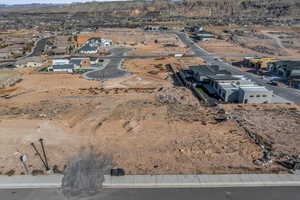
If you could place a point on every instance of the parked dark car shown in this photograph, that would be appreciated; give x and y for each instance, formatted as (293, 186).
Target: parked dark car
(273, 83)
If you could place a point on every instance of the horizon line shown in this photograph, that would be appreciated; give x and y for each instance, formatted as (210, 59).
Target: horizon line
(59, 3)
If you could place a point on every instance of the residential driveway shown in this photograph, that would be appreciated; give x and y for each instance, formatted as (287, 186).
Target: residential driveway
(113, 68)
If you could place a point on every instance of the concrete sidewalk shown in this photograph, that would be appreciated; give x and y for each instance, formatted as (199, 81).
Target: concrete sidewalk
(160, 181)
(13, 182)
(199, 181)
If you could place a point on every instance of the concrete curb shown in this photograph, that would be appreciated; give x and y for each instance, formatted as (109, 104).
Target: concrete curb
(13, 182)
(160, 181)
(201, 181)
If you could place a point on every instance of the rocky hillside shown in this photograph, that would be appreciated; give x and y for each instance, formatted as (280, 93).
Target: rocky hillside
(205, 8)
(142, 12)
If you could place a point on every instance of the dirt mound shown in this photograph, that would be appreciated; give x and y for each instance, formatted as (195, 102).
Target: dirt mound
(176, 95)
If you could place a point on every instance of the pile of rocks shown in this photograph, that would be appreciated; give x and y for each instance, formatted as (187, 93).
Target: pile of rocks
(176, 96)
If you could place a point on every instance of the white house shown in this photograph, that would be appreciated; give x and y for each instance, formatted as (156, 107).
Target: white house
(60, 61)
(30, 62)
(4, 54)
(88, 49)
(62, 68)
(106, 43)
(93, 45)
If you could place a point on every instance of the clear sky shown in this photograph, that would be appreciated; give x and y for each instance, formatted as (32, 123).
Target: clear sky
(10, 2)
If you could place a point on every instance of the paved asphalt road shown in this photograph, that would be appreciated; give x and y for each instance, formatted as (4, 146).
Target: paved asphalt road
(287, 93)
(252, 193)
(40, 46)
(7, 66)
(112, 69)
(8, 61)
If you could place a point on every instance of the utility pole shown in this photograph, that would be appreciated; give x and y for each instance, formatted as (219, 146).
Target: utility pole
(44, 153)
(38, 153)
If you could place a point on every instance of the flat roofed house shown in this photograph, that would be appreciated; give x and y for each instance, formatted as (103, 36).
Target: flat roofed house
(255, 94)
(288, 71)
(228, 92)
(81, 62)
(60, 61)
(283, 68)
(203, 35)
(62, 68)
(4, 54)
(236, 89)
(295, 82)
(201, 72)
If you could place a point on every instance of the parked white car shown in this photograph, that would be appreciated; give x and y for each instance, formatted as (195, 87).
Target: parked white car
(178, 55)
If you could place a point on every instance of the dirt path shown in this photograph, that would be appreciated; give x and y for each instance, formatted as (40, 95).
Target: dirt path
(278, 42)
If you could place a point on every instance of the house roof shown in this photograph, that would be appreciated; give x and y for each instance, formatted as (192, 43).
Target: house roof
(88, 48)
(295, 77)
(287, 63)
(95, 39)
(203, 32)
(202, 69)
(69, 66)
(75, 61)
(254, 88)
(223, 71)
(209, 70)
(223, 77)
(92, 58)
(293, 67)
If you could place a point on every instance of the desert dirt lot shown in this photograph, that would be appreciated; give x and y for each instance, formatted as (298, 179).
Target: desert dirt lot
(158, 130)
(283, 43)
(150, 73)
(218, 46)
(278, 125)
(7, 74)
(146, 124)
(143, 43)
(8, 77)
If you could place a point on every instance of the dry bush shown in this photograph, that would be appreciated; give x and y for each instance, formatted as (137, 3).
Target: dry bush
(85, 174)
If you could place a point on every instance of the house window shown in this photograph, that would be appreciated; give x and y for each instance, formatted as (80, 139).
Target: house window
(251, 96)
(264, 95)
(258, 95)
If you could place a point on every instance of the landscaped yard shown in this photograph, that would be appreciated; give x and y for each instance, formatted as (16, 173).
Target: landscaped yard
(200, 90)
